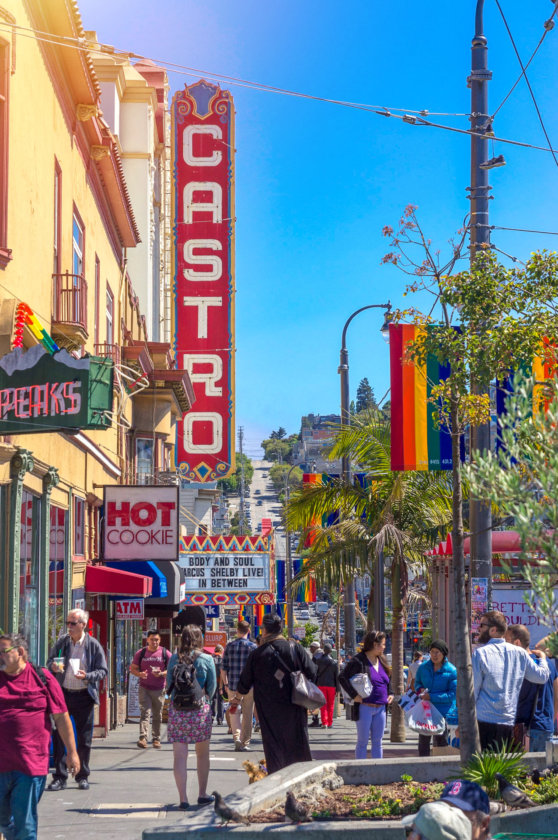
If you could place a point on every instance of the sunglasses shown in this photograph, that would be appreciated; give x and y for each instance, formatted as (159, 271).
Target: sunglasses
(7, 650)
(72, 623)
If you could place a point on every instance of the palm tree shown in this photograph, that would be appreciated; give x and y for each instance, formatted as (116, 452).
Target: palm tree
(399, 514)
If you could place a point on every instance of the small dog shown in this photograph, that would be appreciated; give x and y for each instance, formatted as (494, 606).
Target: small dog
(255, 771)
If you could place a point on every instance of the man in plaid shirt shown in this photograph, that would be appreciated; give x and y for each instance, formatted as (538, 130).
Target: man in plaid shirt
(236, 654)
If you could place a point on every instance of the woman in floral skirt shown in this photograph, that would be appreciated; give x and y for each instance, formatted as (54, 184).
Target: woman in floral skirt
(185, 727)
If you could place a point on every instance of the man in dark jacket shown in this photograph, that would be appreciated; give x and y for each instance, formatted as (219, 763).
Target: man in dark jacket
(78, 662)
(327, 681)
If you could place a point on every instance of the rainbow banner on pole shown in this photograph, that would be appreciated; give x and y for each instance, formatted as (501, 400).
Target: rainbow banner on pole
(416, 442)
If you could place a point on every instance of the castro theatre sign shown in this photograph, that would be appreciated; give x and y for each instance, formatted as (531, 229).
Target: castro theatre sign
(141, 523)
(203, 139)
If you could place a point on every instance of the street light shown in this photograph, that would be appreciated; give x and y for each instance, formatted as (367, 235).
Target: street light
(343, 371)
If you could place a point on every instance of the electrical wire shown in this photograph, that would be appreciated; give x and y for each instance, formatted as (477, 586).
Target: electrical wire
(524, 230)
(547, 29)
(524, 73)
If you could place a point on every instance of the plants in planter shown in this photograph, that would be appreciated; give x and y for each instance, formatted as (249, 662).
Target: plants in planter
(482, 768)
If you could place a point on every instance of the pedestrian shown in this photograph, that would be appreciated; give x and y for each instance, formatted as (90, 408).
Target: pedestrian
(537, 704)
(316, 653)
(28, 697)
(234, 660)
(498, 672)
(436, 681)
(470, 798)
(83, 667)
(217, 702)
(284, 725)
(150, 666)
(437, 821)
(418, 659)
(327, 680)
(371, 721)
(191, 726)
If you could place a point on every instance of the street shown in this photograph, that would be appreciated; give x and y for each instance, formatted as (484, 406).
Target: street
(132, 789)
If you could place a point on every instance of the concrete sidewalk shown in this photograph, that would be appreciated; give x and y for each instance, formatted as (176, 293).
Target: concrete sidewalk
(132, 789)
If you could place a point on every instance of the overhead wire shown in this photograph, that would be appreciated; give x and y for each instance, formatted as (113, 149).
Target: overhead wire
(524, 74)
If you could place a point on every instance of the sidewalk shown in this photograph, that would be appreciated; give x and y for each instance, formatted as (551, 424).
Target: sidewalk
(132, 789)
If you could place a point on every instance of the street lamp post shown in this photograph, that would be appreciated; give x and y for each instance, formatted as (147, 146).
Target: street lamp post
(288, 558)
(481, 125)
(343, 371)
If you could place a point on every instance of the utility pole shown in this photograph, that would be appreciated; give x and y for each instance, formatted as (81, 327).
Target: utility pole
(242, 517)
(481, 125)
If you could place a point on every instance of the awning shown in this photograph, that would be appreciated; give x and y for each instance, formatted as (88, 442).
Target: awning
(101, 580)
(159, 587)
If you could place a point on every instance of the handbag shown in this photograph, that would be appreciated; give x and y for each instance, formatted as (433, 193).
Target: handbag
(304, 693)
(362, 684)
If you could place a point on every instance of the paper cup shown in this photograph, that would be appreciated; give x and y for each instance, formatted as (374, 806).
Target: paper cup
(75, 665)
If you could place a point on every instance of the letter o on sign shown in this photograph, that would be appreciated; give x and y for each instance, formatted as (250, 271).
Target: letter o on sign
(149, 513)
(128, 539)
(216, 443)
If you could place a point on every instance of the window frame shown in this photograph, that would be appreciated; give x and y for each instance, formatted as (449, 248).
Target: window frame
(76, 217)
(97, 302)
(109, 320)
(78, 501)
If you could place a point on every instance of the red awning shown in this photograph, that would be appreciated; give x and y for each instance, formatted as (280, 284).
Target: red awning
(100, 580)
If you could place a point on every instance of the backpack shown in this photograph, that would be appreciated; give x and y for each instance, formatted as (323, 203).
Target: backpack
(166, 656)
(187, 693)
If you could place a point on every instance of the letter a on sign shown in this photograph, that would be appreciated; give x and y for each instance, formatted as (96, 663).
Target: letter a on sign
(203, 164)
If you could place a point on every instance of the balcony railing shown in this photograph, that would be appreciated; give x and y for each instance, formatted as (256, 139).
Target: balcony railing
(69, 305)
(162, 477)
(108, 351)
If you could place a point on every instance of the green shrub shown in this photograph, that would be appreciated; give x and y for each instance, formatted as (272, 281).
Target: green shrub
(483, 768)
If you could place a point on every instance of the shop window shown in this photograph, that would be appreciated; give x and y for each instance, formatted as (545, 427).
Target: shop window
(30, 547)
(5, 253)
(58, 542)
(79, 526)
(110, 316)
(144, 461)
(78, 245)
(57, 233)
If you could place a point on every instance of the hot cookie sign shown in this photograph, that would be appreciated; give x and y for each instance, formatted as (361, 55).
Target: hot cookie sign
(203, 137)
(140, 523)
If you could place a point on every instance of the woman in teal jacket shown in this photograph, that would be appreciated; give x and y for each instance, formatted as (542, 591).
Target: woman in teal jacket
(436, 681)
(185, 727)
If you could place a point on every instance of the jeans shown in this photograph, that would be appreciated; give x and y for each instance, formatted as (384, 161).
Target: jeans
(82, 708)
(494, 735)
(151, 703)
(538, 739)
(19, 797)
(217, 706)
(370, 725)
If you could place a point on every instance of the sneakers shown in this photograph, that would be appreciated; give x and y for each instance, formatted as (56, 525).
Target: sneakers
(143, 743)
(57, 784)
(156, 743)
(240, 748)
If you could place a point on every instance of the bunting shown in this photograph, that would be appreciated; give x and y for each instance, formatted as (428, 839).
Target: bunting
(416, 442)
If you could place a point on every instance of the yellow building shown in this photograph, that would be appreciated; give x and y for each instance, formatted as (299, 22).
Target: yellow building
(66, 226)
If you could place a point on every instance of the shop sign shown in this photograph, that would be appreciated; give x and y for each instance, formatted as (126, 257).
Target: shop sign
(141, 522)
(224, 572)
(129, 608)
(212, 638)
(40, 392)
(211, 611)
(512, 604)
(202, 118)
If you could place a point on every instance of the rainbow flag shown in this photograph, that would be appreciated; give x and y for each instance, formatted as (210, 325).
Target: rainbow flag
(416, 442)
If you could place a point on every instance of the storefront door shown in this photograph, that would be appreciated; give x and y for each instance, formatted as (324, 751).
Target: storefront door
(99, 621)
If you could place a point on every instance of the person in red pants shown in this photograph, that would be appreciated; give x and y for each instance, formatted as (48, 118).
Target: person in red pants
(327, 681)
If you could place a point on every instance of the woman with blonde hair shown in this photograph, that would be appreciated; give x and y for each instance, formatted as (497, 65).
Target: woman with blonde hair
(190, 725)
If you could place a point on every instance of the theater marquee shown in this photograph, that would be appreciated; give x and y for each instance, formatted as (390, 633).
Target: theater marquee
(203, 207)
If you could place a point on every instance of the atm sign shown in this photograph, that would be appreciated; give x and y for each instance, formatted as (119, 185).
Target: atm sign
(129, 608)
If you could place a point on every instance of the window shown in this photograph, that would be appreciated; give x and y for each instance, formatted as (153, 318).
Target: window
(144, 460)
(29, 579)
(78, 245)
(79, 526)
(110, 316)
(97, 298)
(58, 538)
(57, 234)
(5, 253)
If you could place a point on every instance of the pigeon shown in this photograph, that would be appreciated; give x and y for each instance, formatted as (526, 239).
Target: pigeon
(296, 811)
(538, 775)
(512, 795)
(227, 813)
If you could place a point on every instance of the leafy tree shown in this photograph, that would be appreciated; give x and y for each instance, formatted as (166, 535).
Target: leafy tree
(279, 434)
(232, 483)
(365, 396)
(278, 476)
(503, 315)
(279, 449)
(522, 478)
(236, 530)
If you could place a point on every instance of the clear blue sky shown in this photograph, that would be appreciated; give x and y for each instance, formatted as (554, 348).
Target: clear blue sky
(315, 182)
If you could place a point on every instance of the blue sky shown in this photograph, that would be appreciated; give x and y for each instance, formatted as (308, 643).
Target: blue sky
(316, 182)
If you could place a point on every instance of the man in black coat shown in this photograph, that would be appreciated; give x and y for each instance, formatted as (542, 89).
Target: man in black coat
(83, 667)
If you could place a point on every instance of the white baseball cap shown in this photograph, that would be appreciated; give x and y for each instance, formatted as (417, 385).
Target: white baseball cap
(439, 821)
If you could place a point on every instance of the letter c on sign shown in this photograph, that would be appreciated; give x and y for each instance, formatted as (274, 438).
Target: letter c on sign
(214, 159)
(216, 443)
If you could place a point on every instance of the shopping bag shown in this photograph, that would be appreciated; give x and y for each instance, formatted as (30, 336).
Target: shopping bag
(425, 719)
(362, 684)
(408, 700)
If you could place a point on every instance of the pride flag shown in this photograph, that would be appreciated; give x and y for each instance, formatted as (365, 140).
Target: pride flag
(543, 369)
(416, 442)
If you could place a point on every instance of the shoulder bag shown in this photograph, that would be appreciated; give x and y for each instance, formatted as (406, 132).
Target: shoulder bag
(304, 693)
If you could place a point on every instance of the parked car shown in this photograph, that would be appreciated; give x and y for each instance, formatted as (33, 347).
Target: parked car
(257, 492)
(259, 502)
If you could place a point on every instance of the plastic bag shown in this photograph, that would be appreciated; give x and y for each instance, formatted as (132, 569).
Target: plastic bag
(362, 684)
(425, 718)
